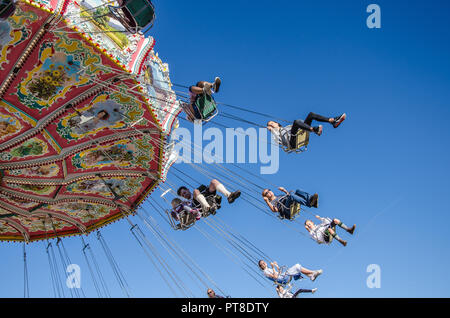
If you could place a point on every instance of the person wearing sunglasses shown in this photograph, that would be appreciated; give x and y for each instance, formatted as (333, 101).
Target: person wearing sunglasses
(281, 203)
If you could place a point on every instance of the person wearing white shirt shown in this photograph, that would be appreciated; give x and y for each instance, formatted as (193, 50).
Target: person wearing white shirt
(324, 232)
(279, 276)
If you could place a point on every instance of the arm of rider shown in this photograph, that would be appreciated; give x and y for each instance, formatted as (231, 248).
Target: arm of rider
(275, 271)
(270, 205)
(275, 265)
(318, 217)
(283, 190)
(187, 208)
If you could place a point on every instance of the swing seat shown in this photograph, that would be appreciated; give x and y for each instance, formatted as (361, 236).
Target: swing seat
(294, 210)
(283, 269)
(206, 107)
(330, 236)
(7, 9)
(135, 15)
(213, 200)
(187, 220)
(301, 142)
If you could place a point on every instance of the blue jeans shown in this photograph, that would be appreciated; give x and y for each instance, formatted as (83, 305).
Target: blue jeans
(294, 272)
(298, 196)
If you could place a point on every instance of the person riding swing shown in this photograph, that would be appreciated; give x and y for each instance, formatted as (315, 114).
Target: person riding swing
(201, 103)
(282, 276)
(286, 292)
(324, 232)
(287, 136)
(289, 204)
(200, 195)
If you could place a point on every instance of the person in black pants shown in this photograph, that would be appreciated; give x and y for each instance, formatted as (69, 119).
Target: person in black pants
(286, 293)
(286, 135)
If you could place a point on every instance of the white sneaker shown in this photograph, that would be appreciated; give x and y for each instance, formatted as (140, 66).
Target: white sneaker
(315, 274)
(313, 291)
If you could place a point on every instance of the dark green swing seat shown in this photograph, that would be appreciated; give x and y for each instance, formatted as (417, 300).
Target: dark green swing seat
(7, 8)
(135, 15)
(206, 107)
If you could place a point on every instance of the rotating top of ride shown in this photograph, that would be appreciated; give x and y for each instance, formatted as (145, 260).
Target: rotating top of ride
(86, 111)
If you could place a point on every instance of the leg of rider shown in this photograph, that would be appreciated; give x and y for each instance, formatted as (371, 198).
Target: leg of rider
(196, 89)
(298, 124)
(311, 199)
(216, 185)
(201, 199)
(333, 234)
(205, 87)
(231, 196)
(301, 197)
(342, 225)
(295, 271)
(301, 291)
(316, 117)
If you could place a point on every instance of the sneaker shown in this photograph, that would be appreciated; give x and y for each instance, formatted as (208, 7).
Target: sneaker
(207, 89)
(352, 229)
(338, 120)
(198, 216)
(233, 196)
(318, 130)
(315, 274)
(314, 201)
(313, 291)
(216, 85)
(344, 243)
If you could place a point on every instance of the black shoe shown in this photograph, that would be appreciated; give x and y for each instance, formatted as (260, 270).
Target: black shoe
(352, 229)
(314, 201)
(338, 120)
(318, 130)
(216, 85)
(233, 196)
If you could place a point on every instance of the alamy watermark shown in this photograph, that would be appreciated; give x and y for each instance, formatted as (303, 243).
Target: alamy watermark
(374, 279)
(73, 276)
(237, 146)
(374, 19)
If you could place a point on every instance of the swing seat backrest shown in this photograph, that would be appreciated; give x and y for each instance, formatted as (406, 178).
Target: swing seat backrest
(302, 139)
(186, 220)
(142, 11)
(301, 142)
(136, 14)
(206, 107)
(295, 210)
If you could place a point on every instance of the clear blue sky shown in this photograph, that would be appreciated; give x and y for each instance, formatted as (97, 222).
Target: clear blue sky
(385, 169)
